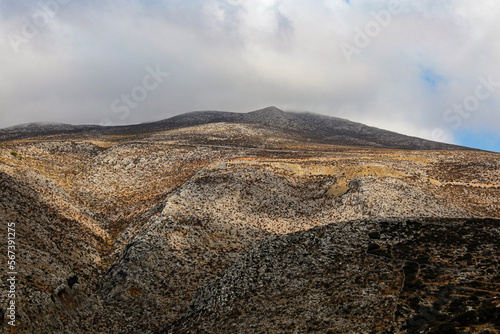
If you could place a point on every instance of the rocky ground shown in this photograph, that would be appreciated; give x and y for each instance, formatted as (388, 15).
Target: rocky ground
(358, 277)
(226, 228)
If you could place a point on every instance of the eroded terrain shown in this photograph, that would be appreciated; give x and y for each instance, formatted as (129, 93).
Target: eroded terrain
(117, 233)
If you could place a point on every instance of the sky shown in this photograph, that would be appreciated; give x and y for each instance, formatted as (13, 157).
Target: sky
(423, 68)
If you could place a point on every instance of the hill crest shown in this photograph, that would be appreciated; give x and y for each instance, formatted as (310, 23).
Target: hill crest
(309, 126)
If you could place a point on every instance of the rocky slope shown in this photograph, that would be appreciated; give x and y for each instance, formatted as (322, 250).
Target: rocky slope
(304, 126)
(358, 277)
(122, 233)
(58, 252)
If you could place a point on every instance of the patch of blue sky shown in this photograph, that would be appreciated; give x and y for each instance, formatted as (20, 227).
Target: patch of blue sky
(483, 140)
(431, 78)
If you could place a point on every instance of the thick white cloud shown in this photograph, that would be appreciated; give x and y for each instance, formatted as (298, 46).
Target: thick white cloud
(425, 57)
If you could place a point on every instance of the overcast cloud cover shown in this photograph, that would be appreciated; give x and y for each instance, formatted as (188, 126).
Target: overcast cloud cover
(424, 68)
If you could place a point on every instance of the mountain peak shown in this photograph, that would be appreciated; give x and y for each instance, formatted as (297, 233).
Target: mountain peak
(272, 110)
(308, 126)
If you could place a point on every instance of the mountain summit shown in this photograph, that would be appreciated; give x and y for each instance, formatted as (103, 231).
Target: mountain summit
(308, 126)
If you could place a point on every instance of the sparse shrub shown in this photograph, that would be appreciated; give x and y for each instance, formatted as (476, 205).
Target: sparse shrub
(376, 250)
(467, 318)
(373, 247)
(423, 258)
(445, 329)
(468, 257)
(414, 302)
(474, 299)
(431, 274)
(413, 284)
(16, 155)
(458, 305)
(489, 314)
(410, 268)
(436, 305)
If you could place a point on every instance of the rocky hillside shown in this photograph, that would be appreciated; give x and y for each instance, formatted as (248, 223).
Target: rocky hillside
(358, 277)
(303, 126)
(43, 129)
(220, 227)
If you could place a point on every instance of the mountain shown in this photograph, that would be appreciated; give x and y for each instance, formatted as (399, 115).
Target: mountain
(195, 225)
(314, 127)
(308, 126)
(42, 129)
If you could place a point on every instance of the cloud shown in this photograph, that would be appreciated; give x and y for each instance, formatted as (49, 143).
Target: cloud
(418, 62)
